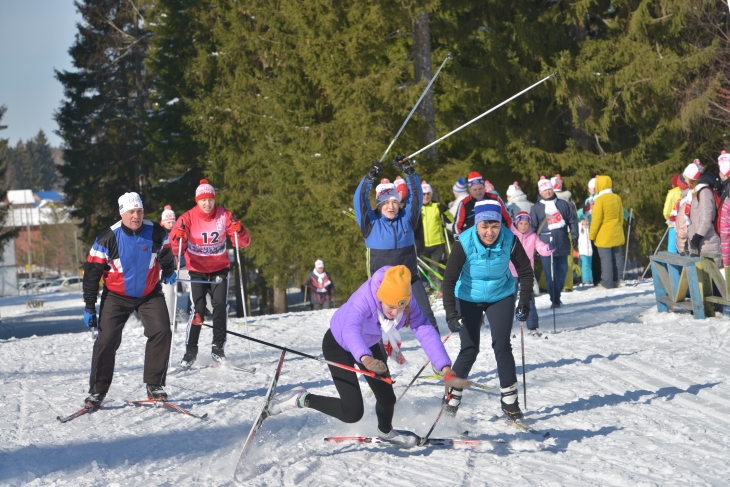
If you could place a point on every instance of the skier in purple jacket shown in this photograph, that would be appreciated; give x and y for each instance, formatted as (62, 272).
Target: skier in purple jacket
(377, 310)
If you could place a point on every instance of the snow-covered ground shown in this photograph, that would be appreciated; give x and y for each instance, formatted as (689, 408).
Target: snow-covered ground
(630, 397)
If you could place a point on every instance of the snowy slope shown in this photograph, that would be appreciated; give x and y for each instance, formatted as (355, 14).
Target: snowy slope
(630, 396)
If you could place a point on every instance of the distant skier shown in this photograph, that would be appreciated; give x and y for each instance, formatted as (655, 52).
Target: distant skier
(478, 281)
(203, 231)
(322, 288)
(167, 221)
(460, 192)
(517, 200)
(430, 235)
(389, 230)
(383, 305)
(128, 255)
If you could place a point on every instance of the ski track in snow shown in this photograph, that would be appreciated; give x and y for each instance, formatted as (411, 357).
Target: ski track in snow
(630, 396)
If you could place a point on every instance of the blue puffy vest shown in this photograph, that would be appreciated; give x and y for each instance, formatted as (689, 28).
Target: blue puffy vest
(485, 276)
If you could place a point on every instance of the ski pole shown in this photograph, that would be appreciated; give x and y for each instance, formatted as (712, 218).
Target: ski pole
(405, 122)
(420, 372)
(443, 406)
(443, 266)
(218, 280)
(243, 295)
(628, 233)
(552, 279)
(173, 321)
(524, 380)
(655, 252)
(387, 380)
(480, 116)
(430, 269)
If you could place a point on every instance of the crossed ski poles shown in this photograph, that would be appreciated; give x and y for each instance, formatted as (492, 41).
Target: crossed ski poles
(368, 373)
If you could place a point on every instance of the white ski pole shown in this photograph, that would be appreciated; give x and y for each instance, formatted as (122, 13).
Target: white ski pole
(552, 279)
(655, 252)
(173, 321)
(243, 295)
(448, 57)
(628, 233)
(480, 116)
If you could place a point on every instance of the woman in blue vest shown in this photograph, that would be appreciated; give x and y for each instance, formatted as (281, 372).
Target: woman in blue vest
(478, 281)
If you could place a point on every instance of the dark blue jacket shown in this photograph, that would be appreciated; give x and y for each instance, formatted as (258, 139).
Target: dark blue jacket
(390, 242)
(560, 235)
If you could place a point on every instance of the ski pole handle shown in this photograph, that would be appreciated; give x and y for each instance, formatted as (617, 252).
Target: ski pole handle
(387, 380)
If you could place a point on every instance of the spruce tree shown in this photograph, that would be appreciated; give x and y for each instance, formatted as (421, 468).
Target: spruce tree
(6, 236)
(102, 119)
(41, 170)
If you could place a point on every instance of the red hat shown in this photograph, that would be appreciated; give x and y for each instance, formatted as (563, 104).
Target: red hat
(401, 187)
(205, 190)
(675, 180)
(475, 178)
(682, 183)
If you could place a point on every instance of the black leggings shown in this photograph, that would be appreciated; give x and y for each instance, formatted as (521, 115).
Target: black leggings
(500, 316)
(349, 407)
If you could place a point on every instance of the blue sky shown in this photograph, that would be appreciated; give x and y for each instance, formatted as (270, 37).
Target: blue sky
(35, 36)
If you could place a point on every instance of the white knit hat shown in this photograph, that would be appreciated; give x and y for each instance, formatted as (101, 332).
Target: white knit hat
(694, 170)
(168, 215)
(318, 264)
(385, 192)
(592, 184)
(724, 162)
(544, 184)
(426, 187)
(514, 189)
(129, 201)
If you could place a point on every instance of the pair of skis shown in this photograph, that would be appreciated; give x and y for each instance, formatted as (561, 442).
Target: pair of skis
(215, 365)
(147, 402)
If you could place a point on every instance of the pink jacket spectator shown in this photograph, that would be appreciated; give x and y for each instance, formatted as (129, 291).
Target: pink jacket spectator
(531, 243)
(725, 231)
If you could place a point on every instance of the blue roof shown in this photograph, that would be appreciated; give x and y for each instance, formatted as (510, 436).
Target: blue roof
(49, 195)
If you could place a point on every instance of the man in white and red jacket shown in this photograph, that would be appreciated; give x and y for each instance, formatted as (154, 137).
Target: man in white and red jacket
(203, 231)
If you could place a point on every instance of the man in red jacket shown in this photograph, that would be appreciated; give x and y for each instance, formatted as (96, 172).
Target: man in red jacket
(203, 231)
(477, 192)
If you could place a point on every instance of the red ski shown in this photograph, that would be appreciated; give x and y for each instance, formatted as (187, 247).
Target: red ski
(80, 412)
(174, 407)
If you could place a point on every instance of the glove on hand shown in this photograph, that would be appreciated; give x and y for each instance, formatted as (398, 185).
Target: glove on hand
(236, 225)
(404, 164)
(180, 232)
(455, 323)
(171, 279)
(522, 312)
(551, 246)
(575, 243)
(695, 242)
(374, 172)
(451, 380)
(374, 365)
(90, 317)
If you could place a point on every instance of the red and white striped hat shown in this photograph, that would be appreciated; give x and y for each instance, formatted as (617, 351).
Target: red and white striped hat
(694, 170)
(557, 182)
(401, 187)
(205, 190)
(475, 178)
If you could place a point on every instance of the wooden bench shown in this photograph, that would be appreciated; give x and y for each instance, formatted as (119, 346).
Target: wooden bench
(674, 277)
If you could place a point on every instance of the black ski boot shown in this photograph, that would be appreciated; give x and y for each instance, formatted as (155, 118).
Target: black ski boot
(510, 404)
(191, 353)
(452, 400)
(217, 353)
(156, 393)
(94, 400)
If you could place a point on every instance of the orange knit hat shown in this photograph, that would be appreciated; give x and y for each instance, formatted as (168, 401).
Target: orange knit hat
(395, 290)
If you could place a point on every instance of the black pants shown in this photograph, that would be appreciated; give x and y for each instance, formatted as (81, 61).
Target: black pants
(349, 408)
(219, 300)
(321, 300)
(113, 314)
(500, 316)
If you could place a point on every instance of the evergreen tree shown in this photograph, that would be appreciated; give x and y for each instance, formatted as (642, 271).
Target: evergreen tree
(41, 171)
(6, 236)
(102, 120)
(18, 162)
